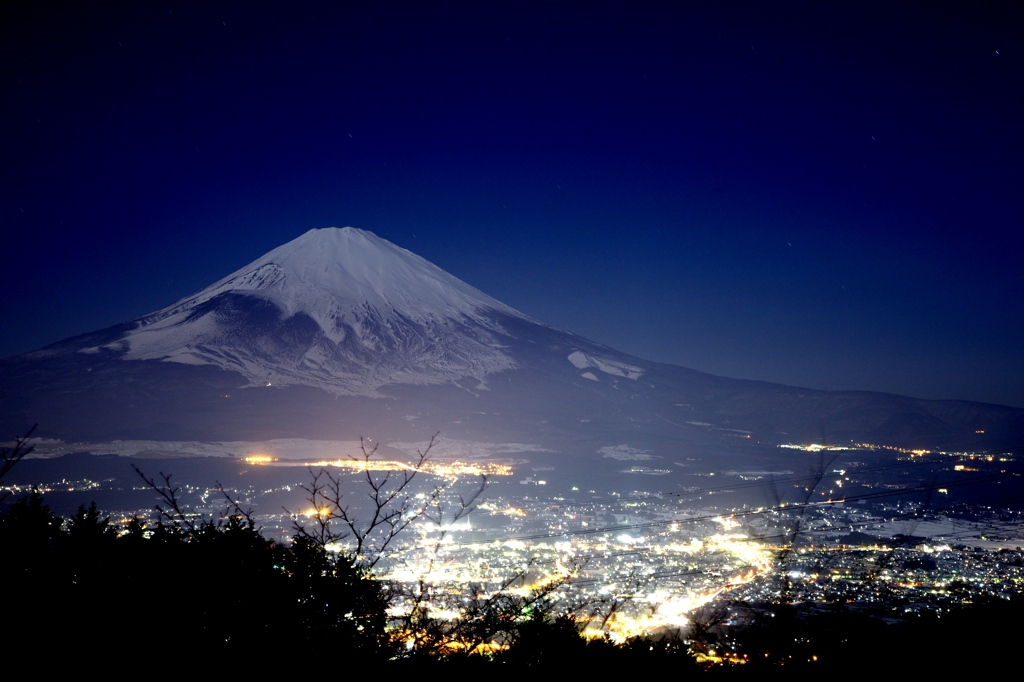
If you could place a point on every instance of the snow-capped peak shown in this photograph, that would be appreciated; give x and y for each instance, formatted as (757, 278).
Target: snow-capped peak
(333, 270)
(326, 304)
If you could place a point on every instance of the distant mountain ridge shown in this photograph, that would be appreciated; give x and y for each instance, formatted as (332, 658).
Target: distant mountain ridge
(340, 333)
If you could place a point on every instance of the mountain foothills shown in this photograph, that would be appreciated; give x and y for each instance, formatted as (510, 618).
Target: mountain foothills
(340, 333)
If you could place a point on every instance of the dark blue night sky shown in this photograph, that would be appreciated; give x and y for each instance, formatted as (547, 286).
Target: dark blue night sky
(814, 194)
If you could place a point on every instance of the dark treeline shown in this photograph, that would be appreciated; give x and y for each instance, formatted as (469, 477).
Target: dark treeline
(172, 593)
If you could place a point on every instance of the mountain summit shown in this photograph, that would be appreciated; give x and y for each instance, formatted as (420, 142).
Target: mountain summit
(339, 309)
(340, 333)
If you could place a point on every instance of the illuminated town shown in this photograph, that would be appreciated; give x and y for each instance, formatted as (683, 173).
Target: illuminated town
(880, 538)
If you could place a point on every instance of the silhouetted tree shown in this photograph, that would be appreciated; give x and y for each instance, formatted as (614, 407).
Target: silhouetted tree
(186, 587)
(9, 457)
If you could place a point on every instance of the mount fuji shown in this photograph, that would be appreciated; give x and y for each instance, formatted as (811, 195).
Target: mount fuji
(341, 310)
(340, 333)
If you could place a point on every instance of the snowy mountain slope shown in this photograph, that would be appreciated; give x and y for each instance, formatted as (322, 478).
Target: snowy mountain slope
(338, 309)
(356, 336)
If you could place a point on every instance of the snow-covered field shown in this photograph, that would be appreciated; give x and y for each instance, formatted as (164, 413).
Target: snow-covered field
(296, 449)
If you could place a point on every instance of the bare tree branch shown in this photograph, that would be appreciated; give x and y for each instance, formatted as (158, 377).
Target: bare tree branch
(171, 509)
(9, 457)
(391, 505)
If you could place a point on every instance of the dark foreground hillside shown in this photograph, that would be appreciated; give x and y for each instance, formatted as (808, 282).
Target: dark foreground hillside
(177, 592)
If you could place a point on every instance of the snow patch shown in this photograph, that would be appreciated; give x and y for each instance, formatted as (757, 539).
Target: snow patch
(287, 449)
(578, 360)
(625, 453)
(581, 360)
(467, 450)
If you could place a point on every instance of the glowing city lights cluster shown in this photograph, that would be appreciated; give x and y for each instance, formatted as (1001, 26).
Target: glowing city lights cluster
(445, 469)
